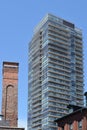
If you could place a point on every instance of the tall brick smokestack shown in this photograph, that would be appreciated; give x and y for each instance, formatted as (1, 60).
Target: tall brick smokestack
(10, 93)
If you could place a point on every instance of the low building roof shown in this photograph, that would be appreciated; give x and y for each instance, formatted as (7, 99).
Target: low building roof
(10, 128)
(73, 113)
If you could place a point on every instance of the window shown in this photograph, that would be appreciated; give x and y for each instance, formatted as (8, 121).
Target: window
(80, 124)
(71, 127)
(63, 128)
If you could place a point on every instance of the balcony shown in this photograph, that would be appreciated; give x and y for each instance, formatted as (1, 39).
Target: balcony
(59, 96)
(36, 124)
(58, 41)
(59, 58)
(36, 96)
(59, 78)
(60, 36)
(58, 86)
(38, 90)
(58, 81)
(59, 91)
(62, 29)
(36, 119)
(36, 115)
(58, 71)
(59, 67)
(36, 105)
(36, 110)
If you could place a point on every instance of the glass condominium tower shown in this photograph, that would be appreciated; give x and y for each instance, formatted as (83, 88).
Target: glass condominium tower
(55, 76)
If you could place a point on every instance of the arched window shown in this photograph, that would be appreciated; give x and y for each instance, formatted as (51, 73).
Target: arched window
(9, 98)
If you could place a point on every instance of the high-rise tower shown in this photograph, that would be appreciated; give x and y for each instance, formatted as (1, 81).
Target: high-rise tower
(10, 93)
(55, 72)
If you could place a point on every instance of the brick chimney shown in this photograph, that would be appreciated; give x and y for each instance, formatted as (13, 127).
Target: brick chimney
(10, 93)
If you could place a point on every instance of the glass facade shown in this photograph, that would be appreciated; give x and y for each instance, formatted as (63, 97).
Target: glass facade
(55, 77)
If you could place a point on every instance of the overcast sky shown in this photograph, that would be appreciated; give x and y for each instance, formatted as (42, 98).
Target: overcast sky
(17, 21)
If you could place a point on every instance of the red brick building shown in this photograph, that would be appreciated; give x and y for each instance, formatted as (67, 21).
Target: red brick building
(76, 120)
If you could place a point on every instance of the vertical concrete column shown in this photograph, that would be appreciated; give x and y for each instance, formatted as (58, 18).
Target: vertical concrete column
(75, 125)
(66, 127)
(84, 123)
(59, 128)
